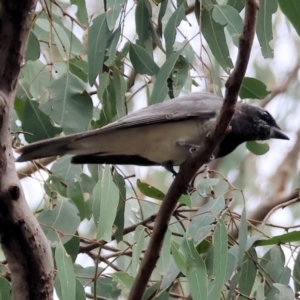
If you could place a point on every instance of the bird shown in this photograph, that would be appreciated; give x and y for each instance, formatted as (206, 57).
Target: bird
(162, 134)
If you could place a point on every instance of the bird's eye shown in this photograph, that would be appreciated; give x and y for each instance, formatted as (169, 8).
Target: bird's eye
(266, 115)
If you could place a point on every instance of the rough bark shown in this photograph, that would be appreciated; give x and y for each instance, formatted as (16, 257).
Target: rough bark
(23, 242)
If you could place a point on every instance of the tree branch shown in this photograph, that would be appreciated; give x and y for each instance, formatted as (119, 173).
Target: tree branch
(23, 242)
(192, 164)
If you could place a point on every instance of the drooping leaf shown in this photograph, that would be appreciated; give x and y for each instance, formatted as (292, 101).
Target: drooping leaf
(220, 242)
(143, 14)
(296, 273)
(112, 49)
(162, 11)
(196, 270)
(137, 248)
(170, 30)
(109, 199)
(264, 26)
(65, 273)
(291, 9)
(98, 37)
(248, 273)
(163, 262)
(33, 48)
(160, 87)
(113, 10)
(214, 35)
(120, 217)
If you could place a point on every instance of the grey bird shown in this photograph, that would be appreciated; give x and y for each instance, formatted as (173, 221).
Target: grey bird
(162, 134)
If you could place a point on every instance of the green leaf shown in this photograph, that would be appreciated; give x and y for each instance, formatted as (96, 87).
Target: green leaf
(72, 247)
(79, 190)
(204, 217)
(248, 273)
(137, 248)
(285, 292)
(120, 217)
(160, 86)
(35, 78)
(228, 16)
(237, 4)
(69, 104)
(98, 37)
(264, 26)
(120, 87)
(220, 242)
(79, 68)
(163, 262)
(5, 289)
(81, 13)
(107, 289)
(242, 238)
(33, 48)
(204, 185)
(162, 11)
(196, 270)
(257, 148)
(37, 123)
(113, 10)
(142, 61)
(186, 200)
(253, 88)
(215, 38)
(59, 223)
(124, 281)
(296, 273)
(260, 291)
(170, 30)
(112, 50)
(291, 9)
(65, 272)
(178, 258)
(143, 14)
(109, 199)
(280, 239)
(180, 74)
(149, 190)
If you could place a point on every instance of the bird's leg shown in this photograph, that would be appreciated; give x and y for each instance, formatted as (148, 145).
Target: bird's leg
(168, 165)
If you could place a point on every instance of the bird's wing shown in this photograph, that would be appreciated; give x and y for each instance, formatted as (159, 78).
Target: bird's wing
(195, 105)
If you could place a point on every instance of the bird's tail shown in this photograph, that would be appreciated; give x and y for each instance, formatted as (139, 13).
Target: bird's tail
(47, 148)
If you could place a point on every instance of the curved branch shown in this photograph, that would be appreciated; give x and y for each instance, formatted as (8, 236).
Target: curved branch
(192, 164)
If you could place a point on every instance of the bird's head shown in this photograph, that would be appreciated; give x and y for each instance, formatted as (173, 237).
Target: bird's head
(252, 123)
(249, 123)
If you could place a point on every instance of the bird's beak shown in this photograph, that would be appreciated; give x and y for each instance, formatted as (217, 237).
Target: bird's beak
(276, 133)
